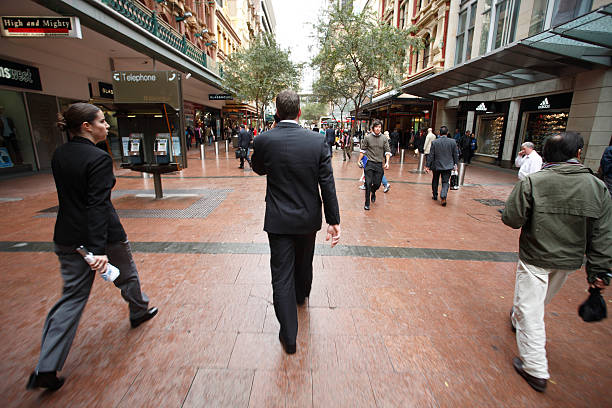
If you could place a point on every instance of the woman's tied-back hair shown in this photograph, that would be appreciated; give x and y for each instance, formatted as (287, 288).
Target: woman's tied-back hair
(76, 114)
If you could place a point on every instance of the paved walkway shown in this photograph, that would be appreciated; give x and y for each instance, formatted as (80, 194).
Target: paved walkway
(411, 309)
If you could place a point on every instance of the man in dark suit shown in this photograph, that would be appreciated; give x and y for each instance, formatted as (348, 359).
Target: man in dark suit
(330, 138)
(244, 141)
(443, 157)
(297, 162)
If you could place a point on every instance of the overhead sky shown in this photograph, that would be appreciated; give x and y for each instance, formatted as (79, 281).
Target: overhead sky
(294, 20)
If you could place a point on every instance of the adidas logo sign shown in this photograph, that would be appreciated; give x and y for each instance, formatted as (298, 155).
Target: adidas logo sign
(544, 104)
(481, 107)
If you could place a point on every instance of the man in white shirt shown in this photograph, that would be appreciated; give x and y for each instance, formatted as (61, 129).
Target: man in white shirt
(528, 160)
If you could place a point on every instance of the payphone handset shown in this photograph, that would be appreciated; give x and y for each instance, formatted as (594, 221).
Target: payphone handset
(161, 149)
(135, 148)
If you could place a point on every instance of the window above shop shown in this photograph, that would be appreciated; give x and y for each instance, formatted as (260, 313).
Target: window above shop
(498, 24)
(551, 13)
(465, 31)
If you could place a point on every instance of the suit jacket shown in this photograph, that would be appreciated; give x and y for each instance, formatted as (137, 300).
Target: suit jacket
(297, 163)
(244, 138)
(84, 179)
(330, 136)
(443, 154)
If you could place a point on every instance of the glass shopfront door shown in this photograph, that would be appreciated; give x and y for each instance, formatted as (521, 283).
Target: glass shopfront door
(489, 131)
(15, 140)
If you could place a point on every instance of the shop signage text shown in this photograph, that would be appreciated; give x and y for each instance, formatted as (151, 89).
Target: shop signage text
(106, 90)
(220, 97)
(147, 87)
(481, 108)
(14, 26)
(544, 104)
(19, 75)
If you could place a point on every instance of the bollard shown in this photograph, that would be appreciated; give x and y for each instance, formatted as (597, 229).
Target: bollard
(421, 167)
(216, 148)
(202, 152)
(402, 157)
(158, 186)
(226, 146)
(461, 173)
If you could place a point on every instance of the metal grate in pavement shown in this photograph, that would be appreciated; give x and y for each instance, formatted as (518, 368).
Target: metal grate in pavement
(491, 202)
(210, 199)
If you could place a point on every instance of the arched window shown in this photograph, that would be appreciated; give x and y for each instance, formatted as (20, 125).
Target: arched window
(427, 43)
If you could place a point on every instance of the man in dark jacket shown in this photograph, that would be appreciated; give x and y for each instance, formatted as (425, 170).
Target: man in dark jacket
(244, 143)
(297, 164)
(330, 138)
(442, 158)
(564, 212)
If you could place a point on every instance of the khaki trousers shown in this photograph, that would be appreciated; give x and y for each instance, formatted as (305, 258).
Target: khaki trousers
(534, 288)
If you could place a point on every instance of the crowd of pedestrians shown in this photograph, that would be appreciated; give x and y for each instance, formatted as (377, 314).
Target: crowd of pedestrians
(563, 210)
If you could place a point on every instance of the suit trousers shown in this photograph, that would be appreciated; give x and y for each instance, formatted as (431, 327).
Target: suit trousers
(373, 177)
(445, 182)
(533, 290)
(242, 159)
(291, 266)
(63, 319)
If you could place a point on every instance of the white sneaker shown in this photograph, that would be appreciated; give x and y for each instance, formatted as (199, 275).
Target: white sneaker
(387, 187)
(362, 187)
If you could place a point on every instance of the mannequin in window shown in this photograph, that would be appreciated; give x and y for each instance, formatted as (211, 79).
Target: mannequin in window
(8, 135)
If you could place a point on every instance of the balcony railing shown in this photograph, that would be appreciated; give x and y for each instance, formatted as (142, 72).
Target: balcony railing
(148, 20)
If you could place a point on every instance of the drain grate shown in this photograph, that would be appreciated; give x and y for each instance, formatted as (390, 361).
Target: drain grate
(491, 202)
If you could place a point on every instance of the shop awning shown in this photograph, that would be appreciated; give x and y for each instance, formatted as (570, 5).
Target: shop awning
(565, 50)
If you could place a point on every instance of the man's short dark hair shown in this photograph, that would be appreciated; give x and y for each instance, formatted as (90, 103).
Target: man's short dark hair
(562, 147)
(443, 131)
(242, 126)
(287, 104)
(376, 123)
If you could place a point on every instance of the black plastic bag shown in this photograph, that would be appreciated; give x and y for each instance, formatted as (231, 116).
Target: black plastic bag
(594, 308)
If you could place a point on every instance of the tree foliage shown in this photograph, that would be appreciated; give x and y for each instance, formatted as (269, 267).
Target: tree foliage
(355, 50)
(258, 73)
(312, 112)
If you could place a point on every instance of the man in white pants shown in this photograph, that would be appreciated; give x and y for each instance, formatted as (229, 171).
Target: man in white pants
(528, 160)
(573, 217)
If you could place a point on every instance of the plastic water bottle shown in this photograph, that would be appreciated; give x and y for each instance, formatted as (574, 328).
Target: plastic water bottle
(111, 273)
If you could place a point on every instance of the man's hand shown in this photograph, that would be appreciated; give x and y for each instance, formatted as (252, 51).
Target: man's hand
(598, 284)
(100, 263)
(387, 165)
(333, 232)
(427, 170)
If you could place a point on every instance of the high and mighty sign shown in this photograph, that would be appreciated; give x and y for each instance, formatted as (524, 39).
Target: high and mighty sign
(220, 97)
(40, 27)
(147, 87)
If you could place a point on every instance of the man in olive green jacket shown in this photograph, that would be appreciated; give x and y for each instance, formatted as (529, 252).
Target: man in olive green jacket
(564, 212)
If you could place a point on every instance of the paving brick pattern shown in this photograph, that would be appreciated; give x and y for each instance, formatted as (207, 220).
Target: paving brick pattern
(411, 310)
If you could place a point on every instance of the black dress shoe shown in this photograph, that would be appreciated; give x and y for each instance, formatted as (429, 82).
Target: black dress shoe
(538, 384)
(373, 197)
(435, 198)
(46, 380)
(366, 207)
(443, 200)
(289, 348)
(147, 316)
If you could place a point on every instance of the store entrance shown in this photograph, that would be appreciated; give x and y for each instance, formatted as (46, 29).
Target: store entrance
(540, 125)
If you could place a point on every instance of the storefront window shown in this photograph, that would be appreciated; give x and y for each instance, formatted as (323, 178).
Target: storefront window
(541, 125)
(538, 17)
(15, 141)
(489, 134)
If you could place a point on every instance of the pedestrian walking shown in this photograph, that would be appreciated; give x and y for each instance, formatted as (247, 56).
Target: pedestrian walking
(442, 159)
(293, 208)
(188, 136)
(376, 147)
(605, 167)
(528, 160)
(208, 133)
(330, 138)
(244, 143)
(347, 145)
(564, 212)
(198, 135)
(84, 179)
(394, 141)
(468, 146)
(431, 136)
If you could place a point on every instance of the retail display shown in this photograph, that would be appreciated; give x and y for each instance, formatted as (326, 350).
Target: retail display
(489, 135)
(540, 125)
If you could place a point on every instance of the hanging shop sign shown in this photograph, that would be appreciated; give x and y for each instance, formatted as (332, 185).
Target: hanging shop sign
(19, 75)
(37, 26)
(220, 97)
(106, 90)
(147, 87)
(548, 102)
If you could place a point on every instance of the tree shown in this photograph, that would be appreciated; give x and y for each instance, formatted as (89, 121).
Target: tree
(258, 73)
(355, 50)
(312, 112)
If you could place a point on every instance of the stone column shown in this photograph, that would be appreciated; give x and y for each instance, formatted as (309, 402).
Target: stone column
(510, 137)
(591, 113)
